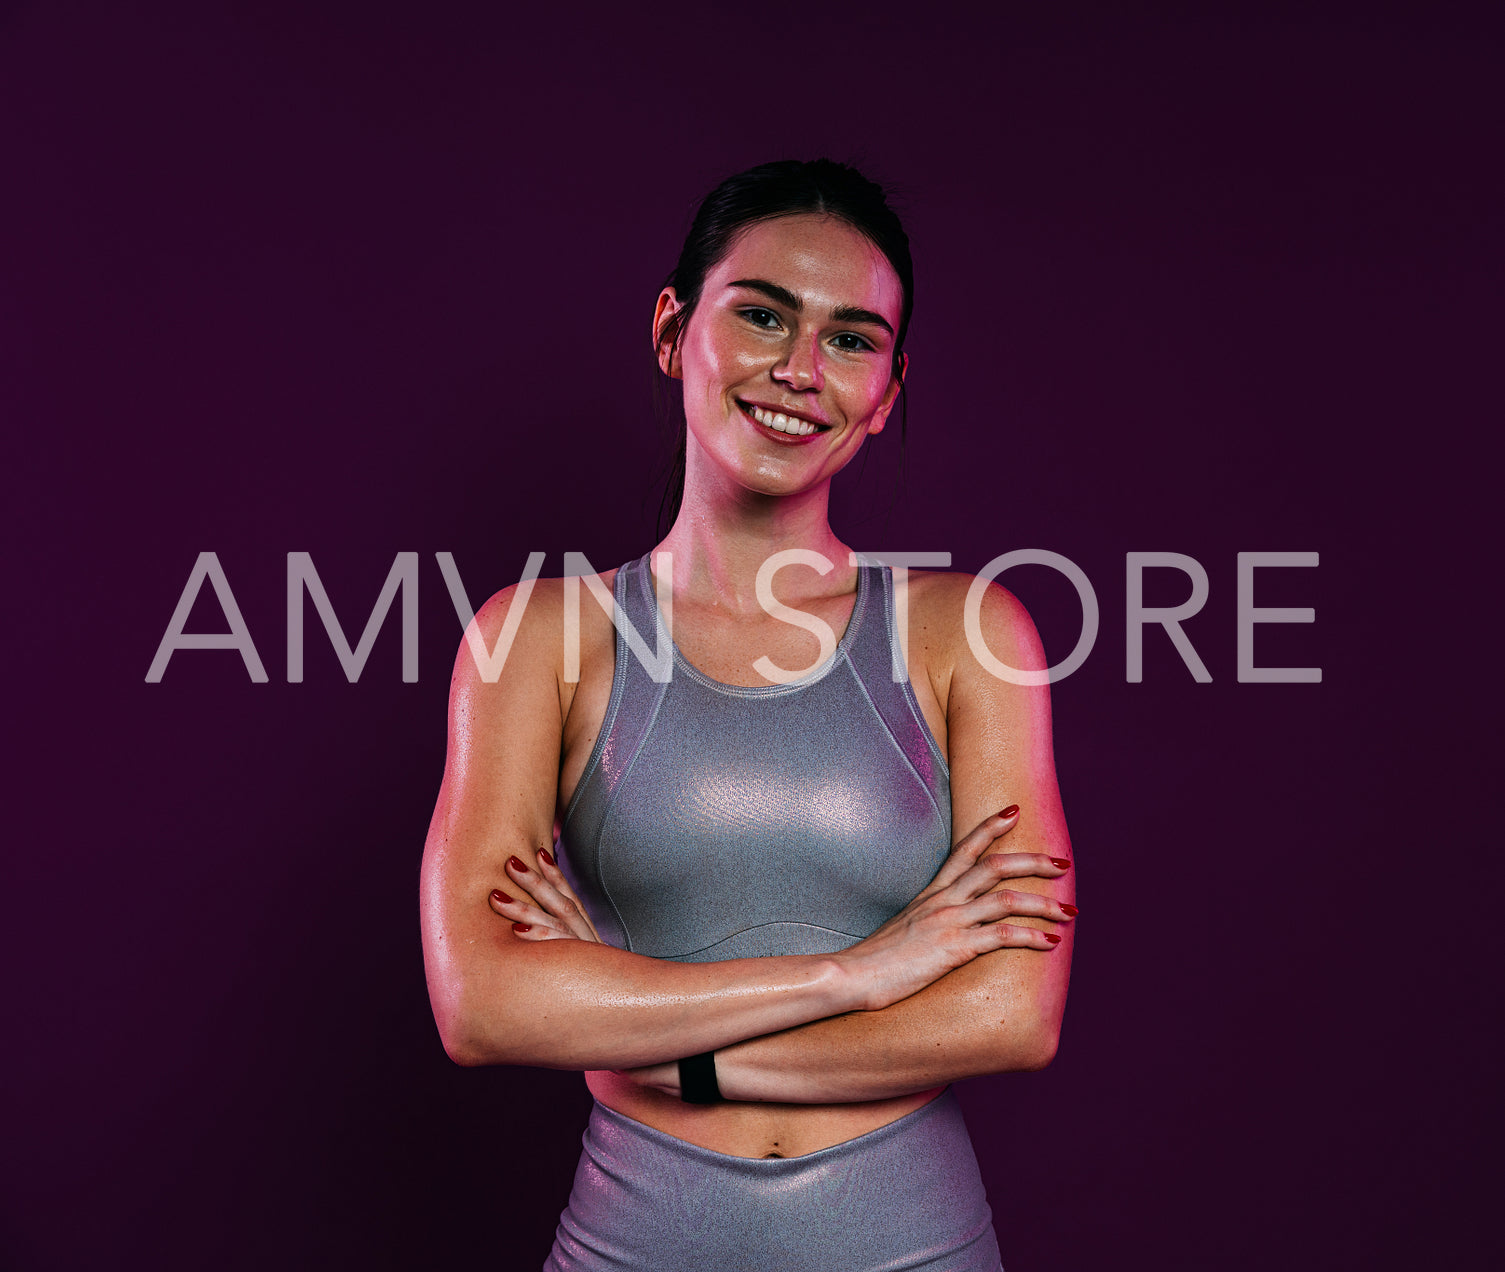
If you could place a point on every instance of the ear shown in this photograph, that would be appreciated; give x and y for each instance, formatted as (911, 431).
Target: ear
(668, 358)
(880, 416)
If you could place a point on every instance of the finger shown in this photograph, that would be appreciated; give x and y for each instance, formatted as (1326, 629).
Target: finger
(1012, 936)
(986, 873)
(969, 849)
(551, 872)
(992, 906)
(549, 899)
(540, 932)
(987, 830)
(520, 910)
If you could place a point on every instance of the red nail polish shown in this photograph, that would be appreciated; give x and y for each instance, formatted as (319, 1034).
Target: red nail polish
(528, 927)
(1009, 811)
(543, 856)
(1049, 936)
(517, 865)
(1070, 910)
(498, 895)
(1060, 863)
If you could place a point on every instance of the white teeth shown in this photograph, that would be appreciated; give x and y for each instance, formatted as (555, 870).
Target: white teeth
(783, 423)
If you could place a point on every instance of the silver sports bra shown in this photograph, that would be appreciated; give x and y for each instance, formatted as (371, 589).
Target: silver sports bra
(718, 821)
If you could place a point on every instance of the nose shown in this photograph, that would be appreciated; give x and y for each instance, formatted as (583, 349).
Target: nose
(800, 368)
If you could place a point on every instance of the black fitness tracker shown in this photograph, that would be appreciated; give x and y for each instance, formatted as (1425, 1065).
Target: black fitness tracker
(697, 1079)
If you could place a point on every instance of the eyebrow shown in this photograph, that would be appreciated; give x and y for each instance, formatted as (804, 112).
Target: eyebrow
(785, 297)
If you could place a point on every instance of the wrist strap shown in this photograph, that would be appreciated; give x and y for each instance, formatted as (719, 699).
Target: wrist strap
(697, 1079)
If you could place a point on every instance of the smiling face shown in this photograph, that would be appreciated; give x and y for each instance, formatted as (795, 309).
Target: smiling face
(787, 359)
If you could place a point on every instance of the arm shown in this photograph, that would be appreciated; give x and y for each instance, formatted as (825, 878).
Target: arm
(501, 997)
(1001, 1012)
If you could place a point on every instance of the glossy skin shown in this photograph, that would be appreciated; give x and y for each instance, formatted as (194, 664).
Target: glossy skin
(970, 979)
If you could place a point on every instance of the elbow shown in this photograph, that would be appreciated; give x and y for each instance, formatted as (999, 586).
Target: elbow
(1036, 1047)
(464, 1050)
(475, 1034)
(1023, 1043)
(460, 1044)
(463, 995)
(465, 1040)
(1033, 1033)
(475, 1031)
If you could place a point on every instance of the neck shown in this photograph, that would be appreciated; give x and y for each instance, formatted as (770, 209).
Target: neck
(724, 533)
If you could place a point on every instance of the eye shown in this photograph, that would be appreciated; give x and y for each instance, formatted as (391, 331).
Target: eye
(851, 342)
(760, 317)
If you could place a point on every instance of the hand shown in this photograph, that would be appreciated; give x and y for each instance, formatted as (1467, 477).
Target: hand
(547, 909)
(957, 917)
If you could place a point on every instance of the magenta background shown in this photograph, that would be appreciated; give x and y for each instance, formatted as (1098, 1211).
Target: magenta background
(381, 280)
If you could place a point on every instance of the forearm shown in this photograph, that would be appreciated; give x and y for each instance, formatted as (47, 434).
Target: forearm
(578, 1005)
(977, 1020)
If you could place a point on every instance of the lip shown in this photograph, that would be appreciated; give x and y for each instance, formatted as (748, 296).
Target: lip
(773, 435)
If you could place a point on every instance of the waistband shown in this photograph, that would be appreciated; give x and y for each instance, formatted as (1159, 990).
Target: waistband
(906, 1197)
(941, 1115)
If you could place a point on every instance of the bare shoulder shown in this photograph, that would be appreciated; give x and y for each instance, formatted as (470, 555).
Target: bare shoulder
(520, 630)
(958, 621)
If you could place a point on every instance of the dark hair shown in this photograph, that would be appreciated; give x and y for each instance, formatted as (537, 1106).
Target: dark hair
(786, 187)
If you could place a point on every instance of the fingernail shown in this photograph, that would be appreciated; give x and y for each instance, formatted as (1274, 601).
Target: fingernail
(1060, 863)
(517, 865)
(1070, 911)
(498, 895)
(1009, 811)
(1049, 936)
(528, 927)
(543, 856)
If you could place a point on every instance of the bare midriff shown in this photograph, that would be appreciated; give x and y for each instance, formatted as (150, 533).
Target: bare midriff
(750, 1129)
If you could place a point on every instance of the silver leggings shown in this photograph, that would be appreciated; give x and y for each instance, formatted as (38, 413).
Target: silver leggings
(906, 1196)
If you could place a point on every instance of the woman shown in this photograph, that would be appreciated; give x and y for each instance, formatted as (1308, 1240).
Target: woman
(759, 939)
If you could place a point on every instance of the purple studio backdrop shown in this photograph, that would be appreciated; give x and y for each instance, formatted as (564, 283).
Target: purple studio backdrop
(355, 280)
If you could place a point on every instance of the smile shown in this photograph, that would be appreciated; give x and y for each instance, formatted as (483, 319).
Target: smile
(793, 425)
